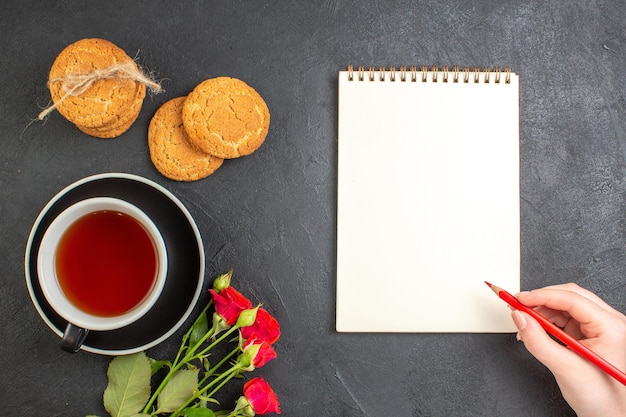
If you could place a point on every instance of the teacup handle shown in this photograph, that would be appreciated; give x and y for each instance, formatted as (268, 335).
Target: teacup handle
(73, 338)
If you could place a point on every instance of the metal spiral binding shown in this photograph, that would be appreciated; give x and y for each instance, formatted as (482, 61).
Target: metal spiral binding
(464, 75)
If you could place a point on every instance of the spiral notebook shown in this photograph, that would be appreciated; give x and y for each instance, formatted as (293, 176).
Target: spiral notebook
(427, 199)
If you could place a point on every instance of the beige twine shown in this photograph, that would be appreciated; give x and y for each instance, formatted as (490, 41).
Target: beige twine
(76, 84)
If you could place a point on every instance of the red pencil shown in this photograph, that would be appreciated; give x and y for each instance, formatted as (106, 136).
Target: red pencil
(555, 331)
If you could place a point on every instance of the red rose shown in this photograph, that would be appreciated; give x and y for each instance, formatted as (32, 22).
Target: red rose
(264, 329)
(264, 352)
(229, 303)
(261, 397)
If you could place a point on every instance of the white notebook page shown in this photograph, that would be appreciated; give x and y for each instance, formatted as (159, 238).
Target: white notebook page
(428, 204)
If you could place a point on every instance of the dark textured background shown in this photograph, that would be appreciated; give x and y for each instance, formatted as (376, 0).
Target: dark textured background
(271, 216)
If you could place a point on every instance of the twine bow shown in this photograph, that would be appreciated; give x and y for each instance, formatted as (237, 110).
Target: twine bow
(76, 84)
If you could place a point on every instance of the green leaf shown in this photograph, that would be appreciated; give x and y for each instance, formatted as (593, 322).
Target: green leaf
(141, 415)
(198, 412)
(199, 329)
(177, 391)
(128, 389)
(155, 366)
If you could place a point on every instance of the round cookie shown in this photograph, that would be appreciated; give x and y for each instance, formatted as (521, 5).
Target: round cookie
(106, 101)
(171, 152)
(226, 117)
(112, 131)
(118, 127)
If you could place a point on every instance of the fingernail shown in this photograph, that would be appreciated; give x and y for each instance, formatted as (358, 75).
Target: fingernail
(519, 320)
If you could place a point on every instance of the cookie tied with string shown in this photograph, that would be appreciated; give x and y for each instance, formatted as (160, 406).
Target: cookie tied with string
(226, 117)
(98, 87)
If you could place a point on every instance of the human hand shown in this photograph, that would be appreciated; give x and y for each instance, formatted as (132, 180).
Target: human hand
(583, 315)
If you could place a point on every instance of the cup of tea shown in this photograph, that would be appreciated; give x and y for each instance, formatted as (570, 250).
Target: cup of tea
(102, 265)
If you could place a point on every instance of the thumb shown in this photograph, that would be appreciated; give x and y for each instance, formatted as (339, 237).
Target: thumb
(552, 354)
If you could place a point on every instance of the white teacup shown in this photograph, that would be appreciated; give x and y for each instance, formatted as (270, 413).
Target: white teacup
(102, 265)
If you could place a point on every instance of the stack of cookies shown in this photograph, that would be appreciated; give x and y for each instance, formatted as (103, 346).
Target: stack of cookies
(98, 87)
(94, 84)
(222, 118)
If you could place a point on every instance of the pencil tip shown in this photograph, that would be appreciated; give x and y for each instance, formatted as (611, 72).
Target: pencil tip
(494, 288)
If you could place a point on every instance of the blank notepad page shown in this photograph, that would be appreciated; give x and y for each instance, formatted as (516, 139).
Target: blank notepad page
(428, 200)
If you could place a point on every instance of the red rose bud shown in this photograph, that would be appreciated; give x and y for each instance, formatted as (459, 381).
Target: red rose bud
(264, 329)
(261, 397)
(259, 353)
(223, 281)
(229, 303)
